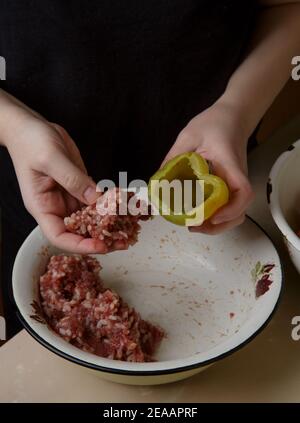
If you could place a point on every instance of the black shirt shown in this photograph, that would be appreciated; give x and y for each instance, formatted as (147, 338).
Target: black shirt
(122, 76)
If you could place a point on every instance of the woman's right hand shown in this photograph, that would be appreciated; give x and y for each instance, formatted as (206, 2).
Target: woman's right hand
(50, 171)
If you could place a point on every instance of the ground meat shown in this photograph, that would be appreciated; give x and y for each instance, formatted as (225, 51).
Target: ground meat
(105, 220)
(78, 307)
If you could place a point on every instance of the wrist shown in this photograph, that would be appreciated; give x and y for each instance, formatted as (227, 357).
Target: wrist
(11, 117)
(7, 116)
(238, 115)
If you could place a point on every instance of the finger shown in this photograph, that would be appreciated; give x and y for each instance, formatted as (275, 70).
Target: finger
(54, 229)
(239, 201)
(120, 245)
(209, 228)
(183, 144)
(70, 177)
(72, 204)
(241, 193)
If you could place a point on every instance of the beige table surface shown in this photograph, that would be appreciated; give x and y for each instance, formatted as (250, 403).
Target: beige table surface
(268, 369)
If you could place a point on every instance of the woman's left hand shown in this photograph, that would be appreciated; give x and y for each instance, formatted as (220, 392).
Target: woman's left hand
(218, 135)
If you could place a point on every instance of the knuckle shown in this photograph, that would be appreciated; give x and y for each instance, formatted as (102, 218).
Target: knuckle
(43, 159)
(241, 220)
(248, 191)
(28, 206)
(185, 135)
(56, 126)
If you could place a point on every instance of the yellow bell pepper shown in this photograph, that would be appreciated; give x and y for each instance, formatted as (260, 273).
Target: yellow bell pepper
(188, 167)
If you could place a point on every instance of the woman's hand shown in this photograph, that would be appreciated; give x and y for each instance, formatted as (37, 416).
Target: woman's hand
(51, 174)
(218, 135)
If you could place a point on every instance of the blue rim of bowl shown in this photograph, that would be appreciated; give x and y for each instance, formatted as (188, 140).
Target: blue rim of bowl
(181, 369)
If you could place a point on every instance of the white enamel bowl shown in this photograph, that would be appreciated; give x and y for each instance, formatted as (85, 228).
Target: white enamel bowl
(283, 191)
(198, 288)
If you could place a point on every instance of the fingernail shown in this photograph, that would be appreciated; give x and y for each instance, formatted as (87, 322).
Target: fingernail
(90, 195)
(100, 248)
(217, 220)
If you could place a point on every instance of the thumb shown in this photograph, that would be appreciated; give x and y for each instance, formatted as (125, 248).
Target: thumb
(72, 179)
(183, 144)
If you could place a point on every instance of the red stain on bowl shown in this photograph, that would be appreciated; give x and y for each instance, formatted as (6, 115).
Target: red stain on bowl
(264, 281)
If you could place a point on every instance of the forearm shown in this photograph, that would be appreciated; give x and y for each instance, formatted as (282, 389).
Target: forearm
(267, 65)
(12, 111)
(6, 107)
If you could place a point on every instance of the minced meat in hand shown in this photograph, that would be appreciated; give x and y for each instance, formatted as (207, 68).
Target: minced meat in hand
(80, 309)
(109, 226)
